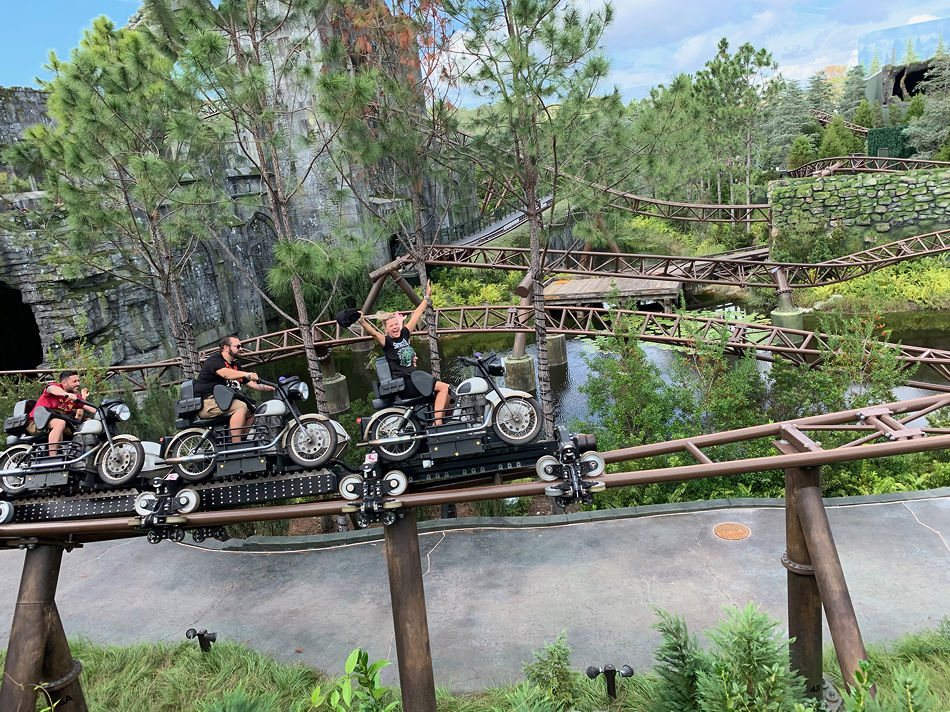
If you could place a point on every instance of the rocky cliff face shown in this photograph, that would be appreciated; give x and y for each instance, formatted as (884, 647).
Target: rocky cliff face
(129, 317)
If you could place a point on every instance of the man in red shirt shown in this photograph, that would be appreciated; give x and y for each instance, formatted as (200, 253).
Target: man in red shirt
(60, 399)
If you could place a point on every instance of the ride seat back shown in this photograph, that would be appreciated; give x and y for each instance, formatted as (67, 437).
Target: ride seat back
(16, 423)
(386, 385)
(188, 405)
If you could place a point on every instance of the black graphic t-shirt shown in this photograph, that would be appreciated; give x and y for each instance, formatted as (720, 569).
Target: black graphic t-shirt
(400, 354)
(208, 378)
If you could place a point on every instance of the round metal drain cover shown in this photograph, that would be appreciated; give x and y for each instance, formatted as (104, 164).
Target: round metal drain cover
(732, 531)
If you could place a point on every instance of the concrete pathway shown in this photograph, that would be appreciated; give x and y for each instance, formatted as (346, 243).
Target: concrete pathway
(496, 594)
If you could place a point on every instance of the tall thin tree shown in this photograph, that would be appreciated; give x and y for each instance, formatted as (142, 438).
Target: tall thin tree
(537, 63)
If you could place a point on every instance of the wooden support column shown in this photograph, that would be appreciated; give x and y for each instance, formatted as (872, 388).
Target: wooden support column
(39, 661)
(373, 294)
(409, 615)
(804, 598)
(407, 288)
(834, 589)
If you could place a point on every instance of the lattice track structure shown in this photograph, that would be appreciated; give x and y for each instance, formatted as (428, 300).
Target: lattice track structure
(703, 270)
(863, 164)
(681, 330)
(824, 118)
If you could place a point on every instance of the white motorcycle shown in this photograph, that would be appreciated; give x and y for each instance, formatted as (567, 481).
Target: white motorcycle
(401, 427)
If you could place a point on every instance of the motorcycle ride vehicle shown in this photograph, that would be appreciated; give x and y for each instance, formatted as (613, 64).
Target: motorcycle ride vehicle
(204, 445)
(96, 450)
(401, 427)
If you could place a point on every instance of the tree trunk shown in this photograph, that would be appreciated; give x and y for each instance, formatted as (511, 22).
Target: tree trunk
(435, 358)
(185, 337)
(540, 324)
(309, 349)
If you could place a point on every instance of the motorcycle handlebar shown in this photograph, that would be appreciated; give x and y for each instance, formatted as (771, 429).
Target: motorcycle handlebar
(479, 358)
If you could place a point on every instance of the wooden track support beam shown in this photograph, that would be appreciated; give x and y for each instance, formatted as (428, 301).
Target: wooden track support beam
(39, 661)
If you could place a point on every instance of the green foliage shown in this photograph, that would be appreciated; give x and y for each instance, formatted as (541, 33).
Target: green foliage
(890, 137)
(746, 668)
(805, 242)
(838, 140)
(238, 701)
(710, 391)
(864, 116)
(800, 153)
(368, 695)
(164, 677)
(153, 411)
(915, 109)
(679, 664)
(915, 284)
(749, 670)
(551, 673)
(909, 688)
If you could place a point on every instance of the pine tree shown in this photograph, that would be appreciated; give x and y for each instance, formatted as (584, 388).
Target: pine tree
(128, 160)
(909, 55)
(733, 89)
(875, 64)
(853, 92)
(819, 93)
(838, 140)
(863, 115)
(394, 148)
(788, 118)
(800, 153)
(537, 64)
(252, 62)
(915, 109)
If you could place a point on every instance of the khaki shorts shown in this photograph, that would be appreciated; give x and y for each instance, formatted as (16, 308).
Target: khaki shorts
(210, 409)
(31, 427)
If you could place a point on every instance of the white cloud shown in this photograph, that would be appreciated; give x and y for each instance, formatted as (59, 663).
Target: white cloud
(921, 18)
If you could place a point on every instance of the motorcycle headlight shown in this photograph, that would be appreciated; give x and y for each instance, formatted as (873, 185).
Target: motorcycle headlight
(300, 391)
(121, 411)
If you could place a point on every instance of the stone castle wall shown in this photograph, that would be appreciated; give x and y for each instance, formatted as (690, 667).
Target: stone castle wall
(881, 207)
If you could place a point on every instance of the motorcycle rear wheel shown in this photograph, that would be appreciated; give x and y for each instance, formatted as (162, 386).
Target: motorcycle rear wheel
(391, 424)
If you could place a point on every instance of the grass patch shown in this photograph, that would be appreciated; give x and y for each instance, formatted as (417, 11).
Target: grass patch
(164, 677)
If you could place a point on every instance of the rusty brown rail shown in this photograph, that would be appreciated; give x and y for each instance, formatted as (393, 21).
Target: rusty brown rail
(767, 341)
(863, 164)
(824, 118)
(701, 270)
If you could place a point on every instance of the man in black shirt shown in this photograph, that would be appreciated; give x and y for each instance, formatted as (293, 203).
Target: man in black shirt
(223, 369)
(401, 356)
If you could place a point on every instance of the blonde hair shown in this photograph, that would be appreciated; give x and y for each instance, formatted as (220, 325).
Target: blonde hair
(386, 316)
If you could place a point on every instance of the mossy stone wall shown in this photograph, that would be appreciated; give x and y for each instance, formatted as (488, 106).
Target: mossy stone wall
(880, 207)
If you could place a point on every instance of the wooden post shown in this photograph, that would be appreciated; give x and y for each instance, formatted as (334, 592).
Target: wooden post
(804, 598)
(409, 615)
(38, 656)
(834, 589)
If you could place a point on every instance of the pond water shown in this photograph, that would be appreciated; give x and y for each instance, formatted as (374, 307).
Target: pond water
(926, 329)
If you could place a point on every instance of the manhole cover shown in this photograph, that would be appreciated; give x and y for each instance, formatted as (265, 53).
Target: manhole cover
(731, 531)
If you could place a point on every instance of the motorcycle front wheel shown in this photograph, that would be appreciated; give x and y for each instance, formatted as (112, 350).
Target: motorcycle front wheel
(517, 420)
(392, 424)
(122, 462)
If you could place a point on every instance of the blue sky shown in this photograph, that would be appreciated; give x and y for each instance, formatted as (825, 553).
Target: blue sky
(648, 43)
